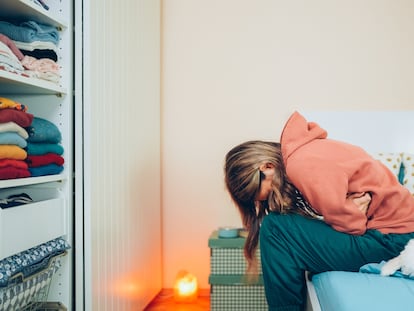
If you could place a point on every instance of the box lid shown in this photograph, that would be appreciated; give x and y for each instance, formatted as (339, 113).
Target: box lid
(215, 241)
(233, 279)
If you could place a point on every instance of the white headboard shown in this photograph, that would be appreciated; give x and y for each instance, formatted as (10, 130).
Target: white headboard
(375, 131)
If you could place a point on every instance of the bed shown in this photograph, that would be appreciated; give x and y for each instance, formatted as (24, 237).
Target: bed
(387, 135)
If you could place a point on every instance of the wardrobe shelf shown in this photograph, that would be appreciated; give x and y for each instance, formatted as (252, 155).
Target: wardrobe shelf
(26, 9)
(10, 183)
(12, 83)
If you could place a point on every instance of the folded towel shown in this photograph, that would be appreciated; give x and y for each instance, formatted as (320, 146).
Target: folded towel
(12, 46)
(12, 138)
(30, 31)
(43, 148)
(41, 53)
(22, 118)
(13, 127)
(13, 172)
(14, 163)
(50, 169)
(45, 159)
(12, 152)
(8, 59)
(37, 45)
(43, 131)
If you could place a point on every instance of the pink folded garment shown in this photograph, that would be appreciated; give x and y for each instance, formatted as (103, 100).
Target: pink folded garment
(40, 65)
(12, 46)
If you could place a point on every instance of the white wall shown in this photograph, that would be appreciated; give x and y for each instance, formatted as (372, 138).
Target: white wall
(122, 153)
(234, 70)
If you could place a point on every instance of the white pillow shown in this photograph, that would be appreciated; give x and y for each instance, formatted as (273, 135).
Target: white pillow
(408, 162)
(390, 160)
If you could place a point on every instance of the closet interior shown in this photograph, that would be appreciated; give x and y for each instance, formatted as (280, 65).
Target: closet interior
(36, 154)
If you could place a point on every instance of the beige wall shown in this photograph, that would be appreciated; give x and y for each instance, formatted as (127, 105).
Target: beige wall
(234, 70)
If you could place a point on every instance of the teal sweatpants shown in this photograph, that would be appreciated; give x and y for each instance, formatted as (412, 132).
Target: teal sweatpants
(293, 244)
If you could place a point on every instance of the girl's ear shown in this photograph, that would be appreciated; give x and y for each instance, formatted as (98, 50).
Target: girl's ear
(266, 166)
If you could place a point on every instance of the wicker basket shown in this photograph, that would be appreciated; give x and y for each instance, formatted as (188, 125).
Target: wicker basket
(29, 293)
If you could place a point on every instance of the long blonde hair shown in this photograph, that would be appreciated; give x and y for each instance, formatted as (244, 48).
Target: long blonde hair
(242, 179)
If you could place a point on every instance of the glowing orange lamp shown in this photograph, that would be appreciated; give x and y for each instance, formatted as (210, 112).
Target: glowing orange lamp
(185, 287)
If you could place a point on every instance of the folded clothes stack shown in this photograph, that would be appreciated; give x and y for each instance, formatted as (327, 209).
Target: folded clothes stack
(14, 118)
(44, 151)
(30, 49)
(29, 146)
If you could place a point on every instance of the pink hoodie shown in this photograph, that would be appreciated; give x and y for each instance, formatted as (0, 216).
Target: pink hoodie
(326, 171)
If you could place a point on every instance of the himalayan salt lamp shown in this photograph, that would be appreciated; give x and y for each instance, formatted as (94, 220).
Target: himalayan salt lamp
(185, 287)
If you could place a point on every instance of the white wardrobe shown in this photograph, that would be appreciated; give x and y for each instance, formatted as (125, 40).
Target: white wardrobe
(52, 214)
(107, 201)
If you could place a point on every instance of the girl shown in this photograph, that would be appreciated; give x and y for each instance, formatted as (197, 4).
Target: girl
(316, 205)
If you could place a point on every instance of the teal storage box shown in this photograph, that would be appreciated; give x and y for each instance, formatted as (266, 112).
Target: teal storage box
(229, 287)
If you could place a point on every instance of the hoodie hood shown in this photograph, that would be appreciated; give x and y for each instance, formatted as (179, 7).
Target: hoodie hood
(298, 132)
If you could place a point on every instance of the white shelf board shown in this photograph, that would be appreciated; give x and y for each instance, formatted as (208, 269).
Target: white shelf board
(9, 183)
(11, 83)
(26, 9)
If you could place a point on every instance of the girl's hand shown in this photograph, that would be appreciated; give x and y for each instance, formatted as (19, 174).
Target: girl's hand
(361, 200)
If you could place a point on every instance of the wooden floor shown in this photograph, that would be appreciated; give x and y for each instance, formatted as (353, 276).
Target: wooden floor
(165, 302)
